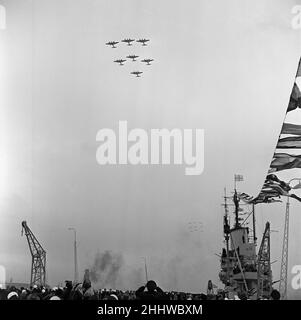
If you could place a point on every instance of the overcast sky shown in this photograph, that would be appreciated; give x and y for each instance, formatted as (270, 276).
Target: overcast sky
(225, 67)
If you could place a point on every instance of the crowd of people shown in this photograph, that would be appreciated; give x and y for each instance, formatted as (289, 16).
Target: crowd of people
(85, 291)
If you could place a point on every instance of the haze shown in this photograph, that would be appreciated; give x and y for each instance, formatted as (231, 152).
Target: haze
(225, 67)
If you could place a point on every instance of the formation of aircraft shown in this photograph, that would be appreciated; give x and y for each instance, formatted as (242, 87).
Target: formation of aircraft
(147, 61)
(112, 43)
(133, 57)
(128, 41)
(137, 73)
(120, 61)
(143, 41)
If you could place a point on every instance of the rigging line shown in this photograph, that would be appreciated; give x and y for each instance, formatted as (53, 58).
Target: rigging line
(247, 217)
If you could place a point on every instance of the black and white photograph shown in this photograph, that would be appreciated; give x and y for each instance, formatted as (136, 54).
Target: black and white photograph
(150, 151)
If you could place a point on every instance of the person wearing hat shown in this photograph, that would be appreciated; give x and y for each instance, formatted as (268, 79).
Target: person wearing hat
(23, 294)
(12, 296)
(111, 297)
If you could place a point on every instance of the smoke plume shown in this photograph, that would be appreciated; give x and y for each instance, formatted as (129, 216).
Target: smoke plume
(106, 268)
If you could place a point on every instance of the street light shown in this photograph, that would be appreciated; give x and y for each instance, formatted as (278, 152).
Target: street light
(75, 256)
(145, 268)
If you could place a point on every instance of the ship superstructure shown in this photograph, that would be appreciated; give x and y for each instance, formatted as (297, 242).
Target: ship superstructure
(243, 271)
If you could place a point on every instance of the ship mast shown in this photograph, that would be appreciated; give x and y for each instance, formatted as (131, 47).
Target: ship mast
(236, 203)
(226, 232)
(242, 270)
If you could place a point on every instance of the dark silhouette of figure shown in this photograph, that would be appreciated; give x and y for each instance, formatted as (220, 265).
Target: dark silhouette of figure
(153, 292)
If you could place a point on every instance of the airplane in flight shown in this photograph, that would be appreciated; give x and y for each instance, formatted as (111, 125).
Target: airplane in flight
(143, 41)
(147, 61)
(137, 73)
(128, 41)
(112, 43)
(133, 57)
(120, 61)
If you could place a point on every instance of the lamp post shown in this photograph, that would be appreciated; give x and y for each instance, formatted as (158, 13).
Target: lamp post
(75, 256)
(145, 268)
(284, 258)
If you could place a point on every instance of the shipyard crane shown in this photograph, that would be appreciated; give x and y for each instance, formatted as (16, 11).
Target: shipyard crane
(38, 254)
(264, 272)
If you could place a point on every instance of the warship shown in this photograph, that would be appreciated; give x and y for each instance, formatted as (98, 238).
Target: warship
(245, 271)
